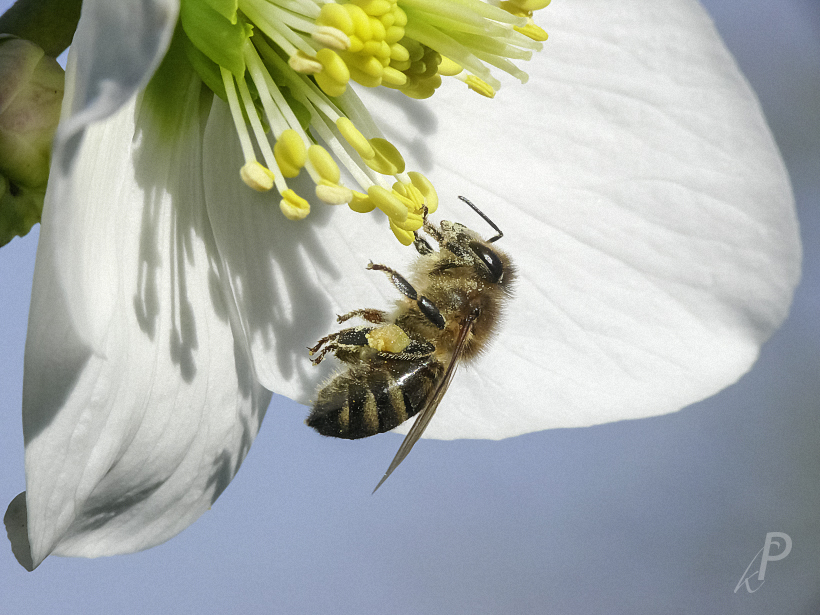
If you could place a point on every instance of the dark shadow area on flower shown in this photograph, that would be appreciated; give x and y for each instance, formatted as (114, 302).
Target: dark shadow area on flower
(186, 221)
(418, 114)
(59, 371)
(224, 465)
(95, 516)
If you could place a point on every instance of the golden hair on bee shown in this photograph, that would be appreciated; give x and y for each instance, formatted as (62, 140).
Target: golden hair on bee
(401, 363)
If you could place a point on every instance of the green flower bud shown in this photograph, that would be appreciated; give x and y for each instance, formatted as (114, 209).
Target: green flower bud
(31, 91)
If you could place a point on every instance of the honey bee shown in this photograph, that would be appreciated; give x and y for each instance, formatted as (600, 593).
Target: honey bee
(401, 363)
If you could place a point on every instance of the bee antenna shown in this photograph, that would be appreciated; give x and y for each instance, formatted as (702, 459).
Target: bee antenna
(486, 219)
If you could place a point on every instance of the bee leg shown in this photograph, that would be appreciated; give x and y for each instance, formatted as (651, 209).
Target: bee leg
(377, 317)
(340, 343)
(426, 306)
(421, 245)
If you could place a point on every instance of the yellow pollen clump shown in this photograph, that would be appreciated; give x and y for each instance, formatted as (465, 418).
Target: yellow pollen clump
(257, 176)
(293, 206)
(290, 153)
(388, 338)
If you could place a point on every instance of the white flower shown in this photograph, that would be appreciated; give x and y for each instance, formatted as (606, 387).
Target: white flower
(640, 193)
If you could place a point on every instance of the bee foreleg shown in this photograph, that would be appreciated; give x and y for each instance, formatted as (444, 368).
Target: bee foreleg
(421, 245)
(427, 307)
(370, 315)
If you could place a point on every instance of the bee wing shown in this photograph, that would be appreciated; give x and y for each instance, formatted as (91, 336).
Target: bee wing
(432, 401)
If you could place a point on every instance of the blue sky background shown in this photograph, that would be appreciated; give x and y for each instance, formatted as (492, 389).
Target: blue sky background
(661, 515)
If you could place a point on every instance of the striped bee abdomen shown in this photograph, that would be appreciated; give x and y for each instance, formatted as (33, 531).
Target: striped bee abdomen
(374, 398)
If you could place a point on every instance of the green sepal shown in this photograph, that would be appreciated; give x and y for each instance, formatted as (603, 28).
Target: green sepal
(206, 68)
(215, 35)
(226, 8)
(20, 209)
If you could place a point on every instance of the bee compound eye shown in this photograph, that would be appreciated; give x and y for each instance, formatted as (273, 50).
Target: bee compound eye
(490, 258)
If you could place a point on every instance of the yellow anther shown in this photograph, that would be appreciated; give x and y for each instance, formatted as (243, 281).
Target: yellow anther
(361, 21)
(333, 65)
(290, 153)
(293, 206)
(367, 80)
(324, 164)
(388, 160)
(333, 194)
(410, 196)
(369, 65)
(355, 138)
(448, 68)
(388, 19)
(377, 30)
(399, 16)
(480, 86)
(356, 44)
(257, 176)
(530, 5)
(398, 53)
(404, 237)
(375, 7)
(402, 65)
(428, 191)
(374, 48)
(303, 63)
(331, 37)
(335, 74)
(413, 222)
(361, 203)
(336, 16)
(388, 338)
(393, 77)
(388, 203)
(393, 34)
(532, 31)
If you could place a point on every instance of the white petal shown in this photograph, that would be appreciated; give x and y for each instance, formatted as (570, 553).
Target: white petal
(117, 47)
(115, 51)
(642, 198)
(128, 442)
(655, 233)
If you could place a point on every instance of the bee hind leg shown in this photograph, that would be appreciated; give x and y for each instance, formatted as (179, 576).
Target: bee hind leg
(344, 344)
